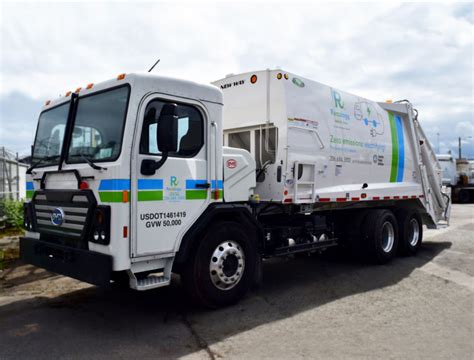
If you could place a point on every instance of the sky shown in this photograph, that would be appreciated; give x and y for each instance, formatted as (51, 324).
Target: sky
(421, 52)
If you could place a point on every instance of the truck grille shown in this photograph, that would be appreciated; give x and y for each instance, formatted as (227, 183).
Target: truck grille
(63, 214)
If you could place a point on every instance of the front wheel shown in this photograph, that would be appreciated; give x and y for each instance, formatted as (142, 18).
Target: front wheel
(222, 268)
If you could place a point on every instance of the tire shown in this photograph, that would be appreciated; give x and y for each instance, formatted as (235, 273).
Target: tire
(349, 231)
(380, 236)
(463, 196)
(410, 229)
(225, 244)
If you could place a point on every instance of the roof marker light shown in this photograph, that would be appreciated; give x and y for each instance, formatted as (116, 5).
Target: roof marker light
(253, 79)
(279, 76)
(68, 93)
(286, 76)
(121, 77)
(388, 101)
(78, 89)
(89, 86)
(47, 103)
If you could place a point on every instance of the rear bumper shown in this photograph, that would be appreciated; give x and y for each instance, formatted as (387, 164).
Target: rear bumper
(84, 265)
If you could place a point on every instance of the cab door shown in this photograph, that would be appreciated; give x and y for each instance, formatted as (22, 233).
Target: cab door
(166, 204)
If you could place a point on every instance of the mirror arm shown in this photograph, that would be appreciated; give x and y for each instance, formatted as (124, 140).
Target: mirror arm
(149, 166)
(160, 162)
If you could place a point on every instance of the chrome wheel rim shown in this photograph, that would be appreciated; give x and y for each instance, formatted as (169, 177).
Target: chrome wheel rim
(227, 265)
(388, 236)
(414, 232)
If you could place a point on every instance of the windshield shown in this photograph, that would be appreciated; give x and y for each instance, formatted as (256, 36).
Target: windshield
(97, 134)
(50, 135)
(98, 126)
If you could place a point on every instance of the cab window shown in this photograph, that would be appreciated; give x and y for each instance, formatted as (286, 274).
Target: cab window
(190, 130)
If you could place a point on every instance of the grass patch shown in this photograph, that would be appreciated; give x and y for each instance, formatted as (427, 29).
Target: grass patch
(7, 256)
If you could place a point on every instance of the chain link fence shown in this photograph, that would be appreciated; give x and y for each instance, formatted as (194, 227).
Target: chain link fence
(12, 175)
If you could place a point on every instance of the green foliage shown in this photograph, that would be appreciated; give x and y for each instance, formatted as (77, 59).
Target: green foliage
(13, 211)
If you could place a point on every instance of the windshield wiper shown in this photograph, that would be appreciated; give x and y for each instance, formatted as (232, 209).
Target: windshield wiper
(40, 161)
(89, 162)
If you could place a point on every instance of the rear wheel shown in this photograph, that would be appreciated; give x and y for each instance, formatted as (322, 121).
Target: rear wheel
(380, 236)
(223, 266)
(410, 228)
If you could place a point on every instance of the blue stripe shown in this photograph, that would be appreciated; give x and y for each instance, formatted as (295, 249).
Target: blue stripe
(401, 149)
(29, 185)
(191, 184)
(219, 184)
(114, 184)
(150, 184)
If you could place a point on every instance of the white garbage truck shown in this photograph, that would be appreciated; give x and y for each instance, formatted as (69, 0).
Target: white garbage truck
(458, 175)
(142, 176)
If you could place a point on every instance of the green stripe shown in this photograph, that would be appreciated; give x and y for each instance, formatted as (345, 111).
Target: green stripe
(111, 196)
(29, 194)
(393, 130)
(150, 195)
(196, 194)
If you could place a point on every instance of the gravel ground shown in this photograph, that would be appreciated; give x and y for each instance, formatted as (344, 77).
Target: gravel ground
(419, 307)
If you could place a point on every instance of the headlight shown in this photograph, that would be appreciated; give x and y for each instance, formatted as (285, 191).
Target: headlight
(101, 225)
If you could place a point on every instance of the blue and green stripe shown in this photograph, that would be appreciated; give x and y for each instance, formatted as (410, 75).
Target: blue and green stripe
(30, 189)
(194, 192)
(111, 190)
(150, 189)
(398, 148)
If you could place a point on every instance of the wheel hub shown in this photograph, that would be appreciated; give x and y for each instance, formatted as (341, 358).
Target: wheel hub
(227, 265)
(388, 236)
(414, 232)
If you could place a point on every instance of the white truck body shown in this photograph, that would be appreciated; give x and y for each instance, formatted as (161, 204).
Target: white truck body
(144, 175)
(346, 148)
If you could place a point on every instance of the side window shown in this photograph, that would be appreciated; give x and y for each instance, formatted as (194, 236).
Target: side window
(265, 146)
(190, 130)
(240, 140)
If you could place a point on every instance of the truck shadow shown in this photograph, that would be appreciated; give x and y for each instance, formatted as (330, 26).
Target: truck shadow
(163, 323)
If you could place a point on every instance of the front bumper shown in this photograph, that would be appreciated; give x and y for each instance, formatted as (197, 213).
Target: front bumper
(84, 265)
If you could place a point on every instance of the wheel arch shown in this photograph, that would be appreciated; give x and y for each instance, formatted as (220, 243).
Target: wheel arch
(238, 213)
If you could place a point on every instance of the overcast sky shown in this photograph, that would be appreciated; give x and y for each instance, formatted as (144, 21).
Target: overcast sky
(420, 52)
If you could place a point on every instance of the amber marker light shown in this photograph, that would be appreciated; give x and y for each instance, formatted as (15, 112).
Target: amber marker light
(121, 77)
(68, 93)
(89, 86)
(286, 76)
(47, 103)
(253, 79)
(279, 76)
(78, 89)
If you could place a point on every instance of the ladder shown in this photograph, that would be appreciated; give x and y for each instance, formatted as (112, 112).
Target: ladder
(301, 183)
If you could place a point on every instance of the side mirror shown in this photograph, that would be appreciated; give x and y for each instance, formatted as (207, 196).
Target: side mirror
(167, 129)
(167, 135)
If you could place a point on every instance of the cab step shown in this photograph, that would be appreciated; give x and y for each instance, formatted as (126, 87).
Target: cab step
(152, 281)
